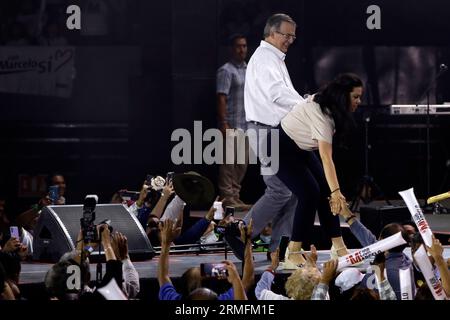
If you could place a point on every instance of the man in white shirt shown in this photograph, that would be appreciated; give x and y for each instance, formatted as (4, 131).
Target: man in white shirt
(268, 96)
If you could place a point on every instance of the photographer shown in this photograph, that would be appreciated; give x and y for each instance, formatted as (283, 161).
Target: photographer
(57, 277)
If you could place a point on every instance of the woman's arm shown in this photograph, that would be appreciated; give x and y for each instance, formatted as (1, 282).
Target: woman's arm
(326, 154)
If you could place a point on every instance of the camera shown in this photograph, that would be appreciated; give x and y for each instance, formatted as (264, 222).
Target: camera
(88, 227)
(231, 229)
(214, 270)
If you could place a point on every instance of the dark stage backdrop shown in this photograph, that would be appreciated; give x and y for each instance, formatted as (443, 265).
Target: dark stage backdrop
(155, 72)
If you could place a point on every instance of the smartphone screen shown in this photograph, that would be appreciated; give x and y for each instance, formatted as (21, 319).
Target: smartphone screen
(53, 193)
(169, 177)
(14, 231)
(148, 179)
(229, 211)
(284, 241)
(213, 270)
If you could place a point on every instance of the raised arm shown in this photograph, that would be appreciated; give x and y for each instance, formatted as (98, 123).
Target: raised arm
(160, 205)
(168, 233)
(436, 251)
(248, 275)
(235, 280)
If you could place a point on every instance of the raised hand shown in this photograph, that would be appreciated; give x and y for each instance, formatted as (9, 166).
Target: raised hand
(120, 245)
(329, 271)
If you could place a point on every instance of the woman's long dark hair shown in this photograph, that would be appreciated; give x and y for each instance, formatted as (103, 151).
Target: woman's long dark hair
(334, 100)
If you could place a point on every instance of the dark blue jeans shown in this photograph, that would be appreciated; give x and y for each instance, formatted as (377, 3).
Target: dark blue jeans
(302, 172)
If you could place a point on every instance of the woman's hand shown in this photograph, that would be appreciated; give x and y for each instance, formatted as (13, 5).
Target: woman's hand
(337, 202)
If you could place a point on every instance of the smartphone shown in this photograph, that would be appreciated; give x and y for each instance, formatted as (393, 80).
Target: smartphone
(53, 193)
(284, 241)
(148, 180)
(229, 211)
(213, 270)
(169, 177)
(14, 231)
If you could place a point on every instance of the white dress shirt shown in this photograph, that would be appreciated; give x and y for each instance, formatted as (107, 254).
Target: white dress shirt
(268, 94)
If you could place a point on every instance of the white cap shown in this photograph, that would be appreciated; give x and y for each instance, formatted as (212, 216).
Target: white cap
(348, 278)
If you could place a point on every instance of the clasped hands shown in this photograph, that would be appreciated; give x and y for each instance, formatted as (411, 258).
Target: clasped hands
(337, 202)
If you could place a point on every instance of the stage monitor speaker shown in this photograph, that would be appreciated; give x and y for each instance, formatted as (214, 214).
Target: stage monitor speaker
(375, 218)
(58, 227)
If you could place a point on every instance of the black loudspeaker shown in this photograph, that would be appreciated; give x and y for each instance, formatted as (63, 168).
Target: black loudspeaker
(58, 227)
(375, 218)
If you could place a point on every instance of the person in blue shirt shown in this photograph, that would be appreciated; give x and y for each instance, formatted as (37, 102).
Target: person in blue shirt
(191, 278)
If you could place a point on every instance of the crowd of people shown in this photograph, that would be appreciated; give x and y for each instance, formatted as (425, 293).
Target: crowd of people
(162, 218)
(261, 96)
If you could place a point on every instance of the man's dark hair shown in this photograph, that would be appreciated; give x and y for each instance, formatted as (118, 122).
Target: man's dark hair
(234, 37)
(364, 294)
(189, 282)
(391, 229)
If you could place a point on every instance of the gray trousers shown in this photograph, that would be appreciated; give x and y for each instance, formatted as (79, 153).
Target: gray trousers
(276, 205)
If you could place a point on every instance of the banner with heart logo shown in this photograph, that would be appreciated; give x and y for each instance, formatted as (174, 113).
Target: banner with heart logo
(47, 71)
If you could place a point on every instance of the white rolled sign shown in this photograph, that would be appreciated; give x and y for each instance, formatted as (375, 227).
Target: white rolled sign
(371, 251)
(425, 266)
(417, 215)
(405, 284)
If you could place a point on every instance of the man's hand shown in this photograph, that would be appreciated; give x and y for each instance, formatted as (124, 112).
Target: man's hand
(45, 201)
(105, 234)
(120, 246)
(329, 270)
(12, 245)
(233, 274)
(169, 232)
(142, 195)
(436, 249)
(168, 190)
(311, 258)
(345, 212)
(275, 258)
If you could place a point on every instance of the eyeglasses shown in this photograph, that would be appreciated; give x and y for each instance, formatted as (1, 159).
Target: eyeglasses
(287, 36)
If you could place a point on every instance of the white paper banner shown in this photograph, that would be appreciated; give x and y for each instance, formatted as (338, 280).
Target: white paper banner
(47, 71)
(405, 284)
(371, 251)
(417, 215)
(425, 266)
(112, 291)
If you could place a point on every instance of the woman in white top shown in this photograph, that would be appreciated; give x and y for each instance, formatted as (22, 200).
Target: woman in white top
(311, 126)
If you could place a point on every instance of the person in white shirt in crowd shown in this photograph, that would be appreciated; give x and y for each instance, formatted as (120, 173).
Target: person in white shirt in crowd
(268, 96)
